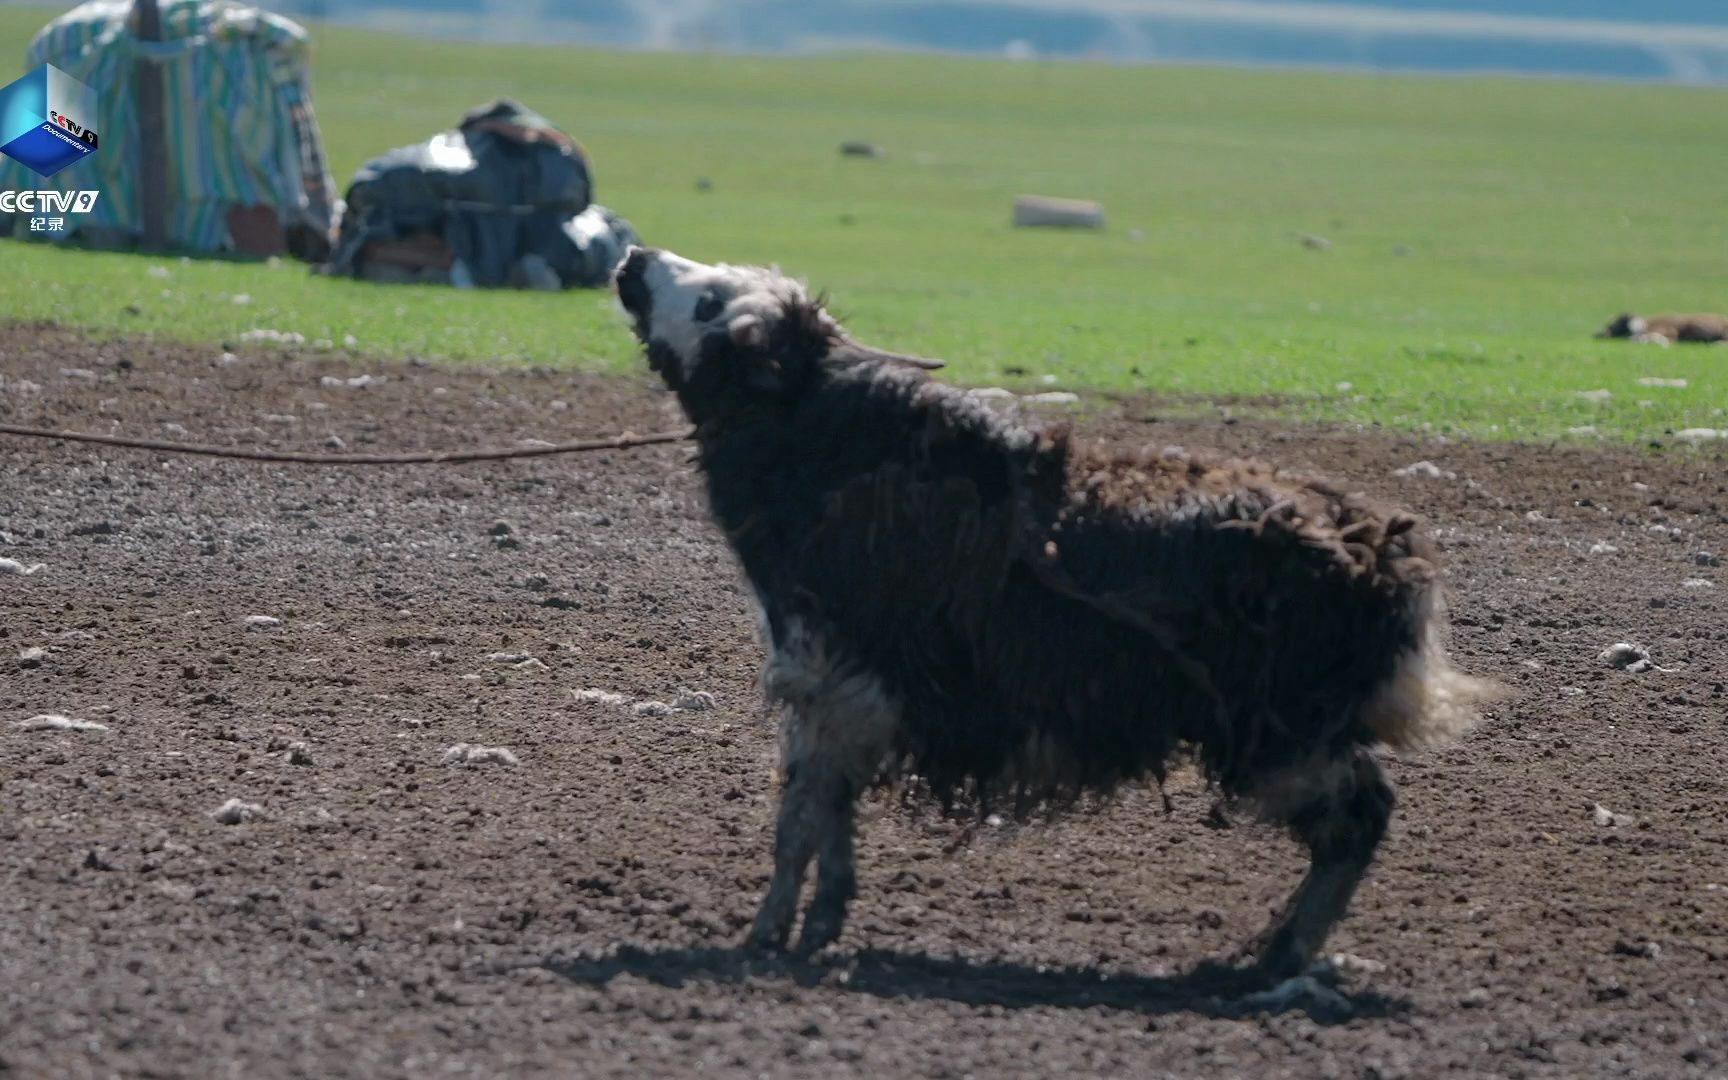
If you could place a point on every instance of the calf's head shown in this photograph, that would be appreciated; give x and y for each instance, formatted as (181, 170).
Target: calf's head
(723, 335)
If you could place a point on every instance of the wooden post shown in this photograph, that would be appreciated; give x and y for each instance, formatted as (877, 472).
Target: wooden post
(149, 99)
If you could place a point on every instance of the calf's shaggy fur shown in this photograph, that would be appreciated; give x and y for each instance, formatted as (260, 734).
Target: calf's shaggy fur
(1007, 617)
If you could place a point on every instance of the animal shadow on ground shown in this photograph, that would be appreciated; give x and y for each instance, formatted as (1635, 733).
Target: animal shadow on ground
(1210, 989)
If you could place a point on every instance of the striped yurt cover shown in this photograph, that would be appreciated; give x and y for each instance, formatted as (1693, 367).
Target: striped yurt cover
(239, 123)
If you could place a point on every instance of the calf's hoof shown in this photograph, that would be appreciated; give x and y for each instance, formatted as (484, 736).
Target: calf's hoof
(769, 935)
(818, 934)
(1280, 961)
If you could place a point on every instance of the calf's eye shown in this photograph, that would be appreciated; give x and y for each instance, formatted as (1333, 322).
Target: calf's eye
(708, 307)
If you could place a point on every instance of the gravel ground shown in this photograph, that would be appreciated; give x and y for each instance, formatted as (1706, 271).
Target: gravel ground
(348, 814)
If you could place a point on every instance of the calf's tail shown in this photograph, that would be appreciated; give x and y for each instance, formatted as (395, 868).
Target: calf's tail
(1427, 702)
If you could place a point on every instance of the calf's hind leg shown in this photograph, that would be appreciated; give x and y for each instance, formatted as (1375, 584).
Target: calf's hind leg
(1340, 814)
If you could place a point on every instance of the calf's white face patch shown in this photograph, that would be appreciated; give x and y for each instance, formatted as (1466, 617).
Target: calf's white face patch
(689, 301)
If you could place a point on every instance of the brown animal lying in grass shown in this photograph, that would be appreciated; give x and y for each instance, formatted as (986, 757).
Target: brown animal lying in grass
(1667, 329)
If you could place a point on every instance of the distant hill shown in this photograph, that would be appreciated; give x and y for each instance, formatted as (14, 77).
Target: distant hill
(1689, 12)
(1670, 40)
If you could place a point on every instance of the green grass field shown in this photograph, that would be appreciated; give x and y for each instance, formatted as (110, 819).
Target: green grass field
(1481, 229)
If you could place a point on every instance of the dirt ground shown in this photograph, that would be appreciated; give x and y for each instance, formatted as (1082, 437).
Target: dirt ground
(576, 913)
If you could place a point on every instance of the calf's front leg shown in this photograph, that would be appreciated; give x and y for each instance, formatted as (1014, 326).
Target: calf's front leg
(832, 744)
(806, 819)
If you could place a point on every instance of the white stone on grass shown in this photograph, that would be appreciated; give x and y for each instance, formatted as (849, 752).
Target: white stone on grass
(1053, 397)
(275, 337)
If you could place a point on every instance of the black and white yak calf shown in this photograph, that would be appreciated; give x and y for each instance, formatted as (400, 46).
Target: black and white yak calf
(1004, 616)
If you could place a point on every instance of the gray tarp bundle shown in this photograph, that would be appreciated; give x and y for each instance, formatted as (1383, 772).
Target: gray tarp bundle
(502, 200)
